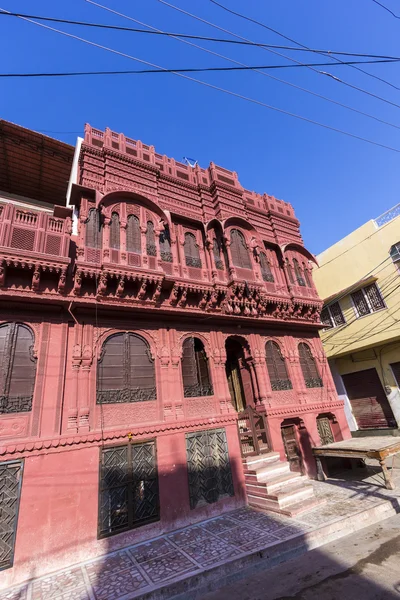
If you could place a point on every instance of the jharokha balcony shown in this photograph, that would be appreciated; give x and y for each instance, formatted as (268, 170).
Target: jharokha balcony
(34, 247)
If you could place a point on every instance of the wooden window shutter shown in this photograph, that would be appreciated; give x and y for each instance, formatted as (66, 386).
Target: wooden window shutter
(94, 230)
(276, 366)
(150, 240)
(308, 366)
(165, 245)
(114, 232)
(195, 372)
(239, 251)
(18, 368)
(125, 370)
(192, 255)
(133, 235)
(298, 273)
(265, 268)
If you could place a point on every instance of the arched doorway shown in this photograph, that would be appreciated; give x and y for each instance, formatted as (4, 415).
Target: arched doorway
(238, 374)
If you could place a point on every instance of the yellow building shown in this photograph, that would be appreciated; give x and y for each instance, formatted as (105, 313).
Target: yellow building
(359, 280)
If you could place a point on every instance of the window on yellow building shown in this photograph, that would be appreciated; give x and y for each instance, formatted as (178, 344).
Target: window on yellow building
(367, 300)
(395, 254)
(332, 316)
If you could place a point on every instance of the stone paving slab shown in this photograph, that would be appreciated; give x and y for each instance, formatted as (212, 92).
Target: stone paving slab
(217, 546)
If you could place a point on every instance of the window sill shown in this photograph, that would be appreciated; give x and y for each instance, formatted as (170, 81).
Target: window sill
(371, 313)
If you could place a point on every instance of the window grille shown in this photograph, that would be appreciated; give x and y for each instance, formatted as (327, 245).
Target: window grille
(239, 251)
(395, 254)
(266, 272)
(195, 371)
(307, 277)
(114, 232)
(133, 235)
(290, 271)
(150, 240)
(298, 273)
(332, 316)
(276, 366)
(209, 469)
(94, 229)
(125, 370)
(128, 488)
(219, 264)
(165, 245)
(367, 300)
(308, 366)
(191, 249)
(10, 492)
(17, 368)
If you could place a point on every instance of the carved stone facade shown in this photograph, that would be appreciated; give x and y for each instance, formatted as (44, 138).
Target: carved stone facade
(158, 259)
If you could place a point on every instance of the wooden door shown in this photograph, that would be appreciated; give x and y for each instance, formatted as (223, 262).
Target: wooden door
(367, 397)
(292, 449)
(235, 384)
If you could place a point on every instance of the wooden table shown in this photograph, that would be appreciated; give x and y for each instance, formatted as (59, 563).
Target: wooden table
(378, 448)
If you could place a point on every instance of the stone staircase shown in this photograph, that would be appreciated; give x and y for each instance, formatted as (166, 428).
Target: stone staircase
(271, 485)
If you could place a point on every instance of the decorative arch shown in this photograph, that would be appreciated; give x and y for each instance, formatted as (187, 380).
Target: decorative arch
(308, 366)
(18, 368)
(300, 249)
(276, 366)
(125, 370)
(195, 369)
(239, 222)
(131, 197)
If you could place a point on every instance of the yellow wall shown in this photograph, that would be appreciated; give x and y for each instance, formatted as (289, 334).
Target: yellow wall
(362, 253)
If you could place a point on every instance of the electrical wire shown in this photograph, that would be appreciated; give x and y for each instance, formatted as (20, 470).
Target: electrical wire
(385, 8)
(192, 36)
(295, 42)
(215, 87)
(246, 67)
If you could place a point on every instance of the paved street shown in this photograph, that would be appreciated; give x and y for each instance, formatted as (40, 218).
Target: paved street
(362, 566)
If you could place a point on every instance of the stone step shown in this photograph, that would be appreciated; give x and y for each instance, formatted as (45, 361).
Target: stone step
(253, 462)
(285, 497)
(291, 510)
(264, 488)
(273, 470)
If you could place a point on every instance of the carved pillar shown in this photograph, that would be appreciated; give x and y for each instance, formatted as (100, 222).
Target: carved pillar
(123, 225)
(84, 400)
(106, 239)
(231, 267)
(72, 418)
(143, 229)
(224, 396)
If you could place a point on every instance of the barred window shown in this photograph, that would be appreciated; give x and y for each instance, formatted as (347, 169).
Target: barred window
(165, 245)
(367, 300)
(239, 251)
(276, 366)
(307, 362)
(125, 370)
(94, 229)
(195, 371)
(191, 249)
(150, 240)
(266, 272)
(10, 492)
(290, 271)
(17, 368)
(133, 235)
(395, 254)
(332, 316)
(114, 232)
(298, 273)
(128, 488)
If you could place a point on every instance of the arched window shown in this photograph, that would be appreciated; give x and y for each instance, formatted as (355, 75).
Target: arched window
(165, 245)
(276, 366)
(133, 235)
(298, 273)
(191, 249)
(239, 252)
(125, 370)
(150, 240)
(308, 366)
(94, 230)
(289, 271)
(195, 373)
(114, 231)
(219, 263)
(265, 268)
(307, 277)
(17, 368)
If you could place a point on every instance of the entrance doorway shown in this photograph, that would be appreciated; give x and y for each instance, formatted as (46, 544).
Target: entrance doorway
(368, 400)
(292, 448)
(238, 375)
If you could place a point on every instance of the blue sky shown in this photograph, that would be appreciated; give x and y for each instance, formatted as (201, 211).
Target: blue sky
(335, 183)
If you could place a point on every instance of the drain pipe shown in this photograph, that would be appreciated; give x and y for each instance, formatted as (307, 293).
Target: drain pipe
(71, 313)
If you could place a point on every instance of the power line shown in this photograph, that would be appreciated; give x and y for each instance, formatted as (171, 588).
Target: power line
(199, 70)
(385, 8)
(194, 37)
(256, 69)
(215, 87)
(295, 42)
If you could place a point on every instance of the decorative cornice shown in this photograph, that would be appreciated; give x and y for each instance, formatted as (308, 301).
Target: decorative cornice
(298, 409)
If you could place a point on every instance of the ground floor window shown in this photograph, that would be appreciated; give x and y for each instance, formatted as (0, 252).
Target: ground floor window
(209, 470)
(10, 491)
(128, 487)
